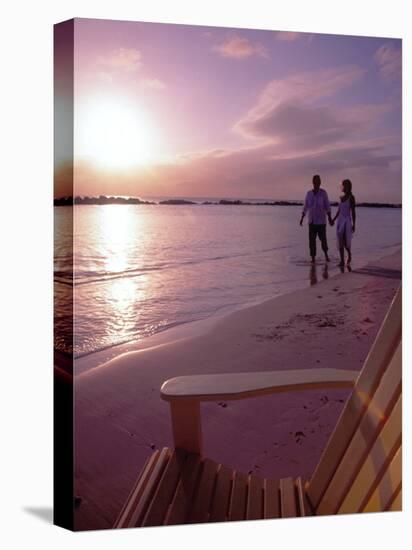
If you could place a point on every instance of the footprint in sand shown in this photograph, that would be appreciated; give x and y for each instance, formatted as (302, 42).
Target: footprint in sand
(299, 435)
(326, 323)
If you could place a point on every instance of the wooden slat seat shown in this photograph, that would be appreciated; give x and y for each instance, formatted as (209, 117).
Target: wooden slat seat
(181, 487)
(360, 469)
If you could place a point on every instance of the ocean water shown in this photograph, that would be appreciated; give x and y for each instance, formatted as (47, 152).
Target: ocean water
(140, 269)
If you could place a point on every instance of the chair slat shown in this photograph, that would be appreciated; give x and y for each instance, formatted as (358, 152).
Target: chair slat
(142, 504)
(271, 499)
(254, 506)
(396, 505)
(376, 362)
(135, 493)
(388, 486)
(385, 446)
(238, 498)
(201, 503)
(288, 503)
(303, 503)
(221, 497)
(165, 490)
(180, 505)
(364, 437)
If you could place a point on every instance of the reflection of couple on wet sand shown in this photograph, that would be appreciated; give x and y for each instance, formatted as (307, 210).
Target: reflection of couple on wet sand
(313, 273)
(317, 207)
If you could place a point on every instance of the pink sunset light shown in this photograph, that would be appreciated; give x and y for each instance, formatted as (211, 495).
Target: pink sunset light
(179, 110)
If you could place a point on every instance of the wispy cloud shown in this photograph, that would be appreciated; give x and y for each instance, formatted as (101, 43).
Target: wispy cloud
(152, 83)
(122, 59)
(288, 36)
(237, 47)
(291, 36)
(260, 172)
(126, 60)
(288, 112)
(389, 60)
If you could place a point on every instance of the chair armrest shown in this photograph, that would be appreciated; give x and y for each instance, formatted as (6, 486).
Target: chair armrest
(216, 387)
(185, 393)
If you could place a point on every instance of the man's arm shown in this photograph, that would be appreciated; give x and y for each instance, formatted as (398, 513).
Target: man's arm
(327, 208)
(305, 208)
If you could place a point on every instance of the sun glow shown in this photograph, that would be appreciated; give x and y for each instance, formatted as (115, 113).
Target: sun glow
(114, 133)
(121, 232)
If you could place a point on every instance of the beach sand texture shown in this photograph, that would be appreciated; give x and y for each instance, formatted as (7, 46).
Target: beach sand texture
(120, 418)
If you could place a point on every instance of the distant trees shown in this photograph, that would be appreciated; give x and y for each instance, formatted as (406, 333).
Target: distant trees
(103, 199)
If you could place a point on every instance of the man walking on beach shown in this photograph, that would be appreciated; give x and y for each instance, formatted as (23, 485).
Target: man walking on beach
(317, 206)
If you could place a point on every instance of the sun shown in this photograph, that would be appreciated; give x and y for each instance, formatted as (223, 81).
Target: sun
(113, 133)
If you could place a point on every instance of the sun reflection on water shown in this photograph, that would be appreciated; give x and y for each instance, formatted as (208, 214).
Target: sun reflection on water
(121, 230)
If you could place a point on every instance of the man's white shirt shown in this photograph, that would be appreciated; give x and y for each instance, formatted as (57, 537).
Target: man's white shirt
(316, 206)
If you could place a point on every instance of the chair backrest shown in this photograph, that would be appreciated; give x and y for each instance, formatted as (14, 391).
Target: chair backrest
(360, 468)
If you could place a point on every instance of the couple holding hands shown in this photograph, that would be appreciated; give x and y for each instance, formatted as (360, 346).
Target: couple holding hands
(317, 207)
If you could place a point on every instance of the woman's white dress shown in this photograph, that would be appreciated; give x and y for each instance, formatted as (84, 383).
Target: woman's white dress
(344, 225)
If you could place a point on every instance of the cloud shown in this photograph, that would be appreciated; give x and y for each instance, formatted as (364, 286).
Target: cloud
(152, 83)
(296, 113)
(287, 36)
(256, 172)
(301, 128)
(303, 87)
(122, 59)
(240, 48)
(389, 60)
(126, 60)
(367, 164)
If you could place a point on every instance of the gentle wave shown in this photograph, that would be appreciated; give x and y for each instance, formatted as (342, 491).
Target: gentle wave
(87, 277)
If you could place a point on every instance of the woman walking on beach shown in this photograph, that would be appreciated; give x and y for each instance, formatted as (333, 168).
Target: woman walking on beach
(346, 216)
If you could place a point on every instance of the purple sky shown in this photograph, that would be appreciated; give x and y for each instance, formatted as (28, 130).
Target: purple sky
(200, 111)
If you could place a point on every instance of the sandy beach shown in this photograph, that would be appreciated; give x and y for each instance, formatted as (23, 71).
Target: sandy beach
(120, 417)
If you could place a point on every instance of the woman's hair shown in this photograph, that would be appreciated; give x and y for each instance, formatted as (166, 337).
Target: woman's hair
(347, 189)
(347, 186)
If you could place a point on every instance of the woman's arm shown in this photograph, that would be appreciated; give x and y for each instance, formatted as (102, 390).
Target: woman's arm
(336, 215)
(353, 211)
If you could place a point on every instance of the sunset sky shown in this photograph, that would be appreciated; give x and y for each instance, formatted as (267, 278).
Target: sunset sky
(174, 110)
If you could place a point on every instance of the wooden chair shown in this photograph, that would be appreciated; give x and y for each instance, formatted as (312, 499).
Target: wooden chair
(359, 470)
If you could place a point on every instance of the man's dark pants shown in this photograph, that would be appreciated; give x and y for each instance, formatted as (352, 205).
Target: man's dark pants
(317, 230)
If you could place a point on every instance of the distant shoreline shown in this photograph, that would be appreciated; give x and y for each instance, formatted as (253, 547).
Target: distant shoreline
(104, 200)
